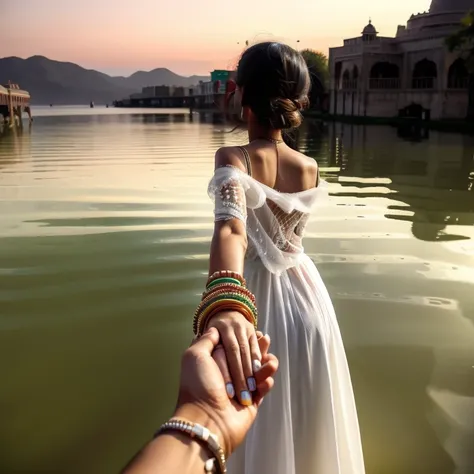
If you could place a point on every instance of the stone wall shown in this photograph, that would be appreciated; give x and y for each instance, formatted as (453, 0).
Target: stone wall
(455, 104)
(444, 105)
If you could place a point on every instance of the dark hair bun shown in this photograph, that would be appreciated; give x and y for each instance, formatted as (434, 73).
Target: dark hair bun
(285, 113)
(275, 82)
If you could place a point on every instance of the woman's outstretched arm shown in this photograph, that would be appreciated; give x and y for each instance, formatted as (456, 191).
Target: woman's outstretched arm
(229, 241)
(228, 248)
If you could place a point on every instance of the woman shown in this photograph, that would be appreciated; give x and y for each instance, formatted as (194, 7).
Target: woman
(264, 193)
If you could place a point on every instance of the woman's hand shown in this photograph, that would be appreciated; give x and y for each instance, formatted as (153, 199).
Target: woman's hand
(243, 354)
(203, 398)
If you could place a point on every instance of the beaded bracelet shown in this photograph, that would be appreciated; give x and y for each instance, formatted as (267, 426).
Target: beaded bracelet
(227, 289)
(228, 286)
(226, 274)
(201, 319)
(200, 432)
(213, 298)
(234, 290)
(231, 296)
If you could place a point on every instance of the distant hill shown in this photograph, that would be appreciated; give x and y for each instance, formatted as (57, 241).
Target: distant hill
(157, 77)
(59, 82)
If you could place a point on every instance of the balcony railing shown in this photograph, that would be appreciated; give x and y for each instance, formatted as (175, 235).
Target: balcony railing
(349, 84)
(389, 83)
(458, 83)
(423, 83)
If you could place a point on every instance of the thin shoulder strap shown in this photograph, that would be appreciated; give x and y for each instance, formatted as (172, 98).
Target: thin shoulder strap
(248, 165)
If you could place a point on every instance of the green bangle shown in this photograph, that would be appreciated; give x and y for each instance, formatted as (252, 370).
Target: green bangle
(218, 281)
(233, 296)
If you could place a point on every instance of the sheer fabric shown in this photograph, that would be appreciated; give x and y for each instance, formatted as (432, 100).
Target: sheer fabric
(308, 423)
(275, 221)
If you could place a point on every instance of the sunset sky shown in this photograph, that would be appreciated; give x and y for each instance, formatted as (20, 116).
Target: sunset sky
(188, 37)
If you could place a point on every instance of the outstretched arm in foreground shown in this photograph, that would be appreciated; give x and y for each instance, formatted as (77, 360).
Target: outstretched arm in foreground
(203, 399)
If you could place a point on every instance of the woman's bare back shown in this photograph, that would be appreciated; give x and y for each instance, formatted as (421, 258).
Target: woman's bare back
(275, 165)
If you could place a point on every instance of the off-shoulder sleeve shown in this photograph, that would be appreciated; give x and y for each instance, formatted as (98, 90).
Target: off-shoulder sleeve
(227, 189)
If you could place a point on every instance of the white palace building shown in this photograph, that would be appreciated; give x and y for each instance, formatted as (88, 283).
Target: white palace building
(412, 74)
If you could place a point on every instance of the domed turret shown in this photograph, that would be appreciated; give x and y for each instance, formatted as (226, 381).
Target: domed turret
(369, 32)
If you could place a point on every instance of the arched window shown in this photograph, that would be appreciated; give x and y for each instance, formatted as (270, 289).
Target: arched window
(424, 75)
(384, 75)
(346, 80)
(458, 76)
(337, 74)
(355, 73)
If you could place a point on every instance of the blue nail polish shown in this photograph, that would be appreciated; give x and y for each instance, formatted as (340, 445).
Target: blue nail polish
(256, 366)
(245, 398)
(252, 384)
(229, 388)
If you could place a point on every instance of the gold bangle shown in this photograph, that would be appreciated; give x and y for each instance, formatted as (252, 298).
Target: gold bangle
(224, 305)
(224, 296)
(244, 298)
(229, 287)
(230, 291)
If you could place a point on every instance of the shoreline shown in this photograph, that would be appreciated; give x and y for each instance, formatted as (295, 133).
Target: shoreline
(462, 126)
(445, 125)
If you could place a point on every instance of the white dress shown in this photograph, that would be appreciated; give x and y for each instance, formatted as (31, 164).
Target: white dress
(308, 423)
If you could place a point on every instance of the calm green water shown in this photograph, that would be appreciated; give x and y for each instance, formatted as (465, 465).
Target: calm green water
(105, 226)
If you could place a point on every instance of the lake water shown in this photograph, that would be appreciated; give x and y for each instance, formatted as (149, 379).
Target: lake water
(105, 227)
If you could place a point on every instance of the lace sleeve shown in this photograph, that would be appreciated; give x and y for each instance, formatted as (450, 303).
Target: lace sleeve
(229, 197)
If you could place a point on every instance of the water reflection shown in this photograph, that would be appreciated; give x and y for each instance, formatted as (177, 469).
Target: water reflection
(433, 178)
(14, 144)
(104, 238)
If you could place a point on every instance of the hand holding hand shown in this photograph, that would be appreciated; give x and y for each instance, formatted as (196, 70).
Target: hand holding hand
(203, 397)
(242, 351)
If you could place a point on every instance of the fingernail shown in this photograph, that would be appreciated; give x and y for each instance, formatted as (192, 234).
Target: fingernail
(245, 398)
(229, 388)
(256, 366)
(251, 384)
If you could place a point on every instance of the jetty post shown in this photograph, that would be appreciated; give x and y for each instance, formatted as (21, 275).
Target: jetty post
(10, 108)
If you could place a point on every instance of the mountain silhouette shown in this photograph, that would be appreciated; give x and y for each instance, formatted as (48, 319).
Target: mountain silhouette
(57, 82)
(157, 77)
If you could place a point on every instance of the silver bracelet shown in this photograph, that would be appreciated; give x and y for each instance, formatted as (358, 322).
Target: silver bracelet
(200, 432)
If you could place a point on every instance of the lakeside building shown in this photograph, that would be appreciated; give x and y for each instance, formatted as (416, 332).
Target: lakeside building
(205, 95)
(159, 96)
(212, 93)
(412, 74)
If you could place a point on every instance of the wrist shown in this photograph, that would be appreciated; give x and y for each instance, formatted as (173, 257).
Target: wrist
(196, 413)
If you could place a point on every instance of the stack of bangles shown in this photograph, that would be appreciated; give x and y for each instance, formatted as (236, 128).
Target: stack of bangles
(225, 291)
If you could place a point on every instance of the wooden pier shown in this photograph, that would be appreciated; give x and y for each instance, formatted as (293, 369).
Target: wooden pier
(215, 102)
(206, 95)
(13, 102)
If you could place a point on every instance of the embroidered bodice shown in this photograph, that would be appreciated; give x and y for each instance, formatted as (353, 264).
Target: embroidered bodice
(275, 221)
